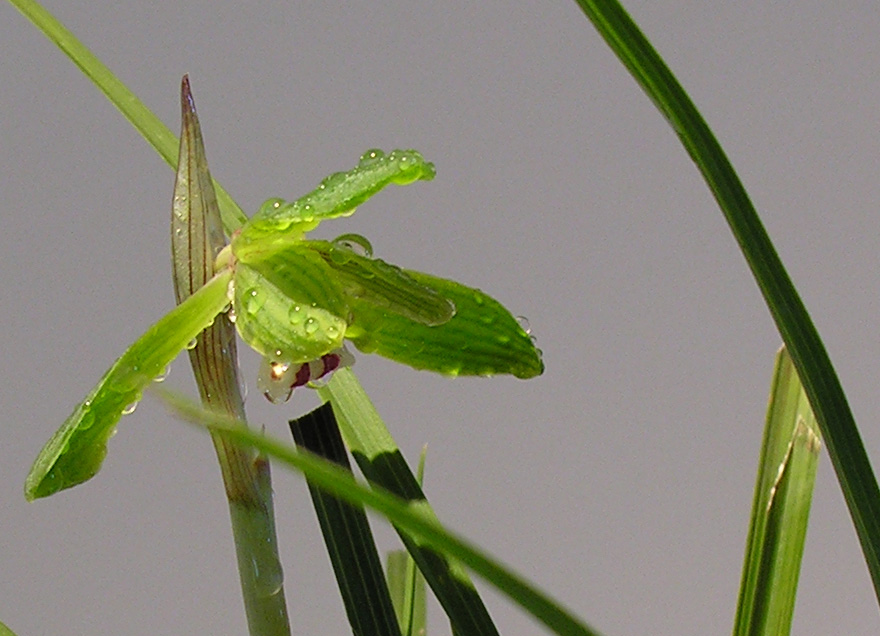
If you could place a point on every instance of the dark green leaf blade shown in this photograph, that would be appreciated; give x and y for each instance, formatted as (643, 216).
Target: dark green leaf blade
(412, 513)
(75, 452)
(482, 338)
(347, 533)
(820, 380)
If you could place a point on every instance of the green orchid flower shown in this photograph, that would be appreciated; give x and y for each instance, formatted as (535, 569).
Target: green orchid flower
(295, 301)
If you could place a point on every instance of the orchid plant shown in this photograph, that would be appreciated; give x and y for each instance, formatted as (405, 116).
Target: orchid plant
(295, 301)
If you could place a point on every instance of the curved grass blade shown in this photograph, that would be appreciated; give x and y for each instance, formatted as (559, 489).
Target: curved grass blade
(781, 508)
(414, 517)
(278, 222)
(839, 430)
(144, 121)
(75, 452)
(482, 338)
(384, 285)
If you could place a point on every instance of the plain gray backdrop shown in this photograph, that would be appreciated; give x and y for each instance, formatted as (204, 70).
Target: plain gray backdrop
(621, 480)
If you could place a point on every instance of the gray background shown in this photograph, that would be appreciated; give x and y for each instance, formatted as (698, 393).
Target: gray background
(621, 480)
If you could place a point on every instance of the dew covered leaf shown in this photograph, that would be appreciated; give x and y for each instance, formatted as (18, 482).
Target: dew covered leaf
(278, 222)
(372, 280)
(482, 338)
(75, 452)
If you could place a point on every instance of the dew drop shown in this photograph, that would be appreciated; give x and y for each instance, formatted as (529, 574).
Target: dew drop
(192, 344)
(271, 206)
(371, 156)
(230, 315)
(87, 420)
(164, 374)
(524, 324)
(273, 380)
(253, 301)
(333, 180)
(296, 315)
(128, 410)
(311, 326)
(354, 243)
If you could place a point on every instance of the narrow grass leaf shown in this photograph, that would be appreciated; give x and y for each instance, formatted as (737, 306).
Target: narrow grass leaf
(5, 631)
(781, 507)
(407, 585)
(408, 593)
(414, 517)
(144, 121)
(347, 534)
(839, 431)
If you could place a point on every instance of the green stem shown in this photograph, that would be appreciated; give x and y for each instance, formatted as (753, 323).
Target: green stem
(196, 236)
(144, 121)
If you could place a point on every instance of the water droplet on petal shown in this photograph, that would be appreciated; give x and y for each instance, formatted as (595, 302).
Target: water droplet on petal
(128, 410)
(311, 326)
(253, 300)
(333, 180)
(354, 243)
(524, 324)
(273, 381)
(371, 156)
(192, 344)
(161, 377)
(296, 315)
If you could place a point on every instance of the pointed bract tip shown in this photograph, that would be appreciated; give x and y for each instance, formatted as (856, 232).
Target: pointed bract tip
(186, 99)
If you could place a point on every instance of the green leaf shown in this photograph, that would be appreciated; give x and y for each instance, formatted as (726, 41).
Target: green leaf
(781, 508)
(386, 286)
(839, 431)
(482, 338)
(5, 631)
(135, 111)
(278, 223)
(75, 452)
(408, 592)
(406, 583)
(415, 518)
